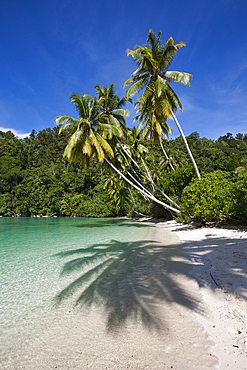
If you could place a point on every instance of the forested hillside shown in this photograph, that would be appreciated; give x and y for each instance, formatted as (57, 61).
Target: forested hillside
(35, 179)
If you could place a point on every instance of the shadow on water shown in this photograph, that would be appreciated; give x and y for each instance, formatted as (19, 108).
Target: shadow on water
(128, 279)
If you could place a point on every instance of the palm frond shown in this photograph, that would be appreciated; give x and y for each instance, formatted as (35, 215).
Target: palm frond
(173, 99)
(179, 45)
(160, 86)
(135, 55)
(112, 129)
(105, 145)
(87, 97)
(122, 112)
(72, 123)
(128, 82)
(80, 103)
(135, 88)
(87, 147)
(181, 77)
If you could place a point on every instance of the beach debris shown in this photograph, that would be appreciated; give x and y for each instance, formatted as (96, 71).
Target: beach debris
(213, 279)
(245, 344)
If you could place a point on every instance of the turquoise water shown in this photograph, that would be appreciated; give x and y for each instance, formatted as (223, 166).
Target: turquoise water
(33, 255)
(94, 294)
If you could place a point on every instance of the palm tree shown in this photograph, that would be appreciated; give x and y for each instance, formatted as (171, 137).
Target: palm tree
(111, 112)
(110, 107)
(86, 140)
(152, 127)
(93, 133)
(159, 101)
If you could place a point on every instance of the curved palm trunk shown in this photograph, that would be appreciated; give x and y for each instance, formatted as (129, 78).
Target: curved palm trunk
(148, 173)
(139, 184)
(167, 158)
(150, 196)
(138, 213)
(143, 173)
(186, 144)
(133, 201)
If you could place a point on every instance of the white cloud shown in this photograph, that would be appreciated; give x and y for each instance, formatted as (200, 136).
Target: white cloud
(17, 133)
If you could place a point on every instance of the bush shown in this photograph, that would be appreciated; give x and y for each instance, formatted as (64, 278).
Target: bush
(97, 207)
(6, 208)
(238, 206)
(209, 199)
(174, 182)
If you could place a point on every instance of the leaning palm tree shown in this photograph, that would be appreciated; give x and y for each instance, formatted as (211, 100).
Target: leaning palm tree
(111, 110)
(91, 137)
(137, 149)
(159, 101)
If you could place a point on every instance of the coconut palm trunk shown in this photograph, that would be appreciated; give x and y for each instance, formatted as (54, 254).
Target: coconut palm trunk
(148, 173)
(167, 158)
(148, 195)
(134, 203)
(150, 180)
(186, 144)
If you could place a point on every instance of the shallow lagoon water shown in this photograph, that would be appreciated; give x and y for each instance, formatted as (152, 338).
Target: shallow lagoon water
(95, 294)
(30, 267)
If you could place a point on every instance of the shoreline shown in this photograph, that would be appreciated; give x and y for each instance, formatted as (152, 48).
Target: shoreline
(219, 258)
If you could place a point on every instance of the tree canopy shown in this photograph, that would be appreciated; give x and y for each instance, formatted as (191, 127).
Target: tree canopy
(35, 181)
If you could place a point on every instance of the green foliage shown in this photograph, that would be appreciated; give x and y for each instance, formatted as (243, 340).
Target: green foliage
(175, 181)
(219, 196)
(238, 205)
(82, 206)
(208, 198)
(35, 181)
(6, 208)
(232, 163)
(158, 211)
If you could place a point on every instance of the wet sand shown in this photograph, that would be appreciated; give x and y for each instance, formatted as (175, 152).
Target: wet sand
(142, 313)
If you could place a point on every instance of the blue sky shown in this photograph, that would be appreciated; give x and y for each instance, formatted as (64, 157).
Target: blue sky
(50, 49)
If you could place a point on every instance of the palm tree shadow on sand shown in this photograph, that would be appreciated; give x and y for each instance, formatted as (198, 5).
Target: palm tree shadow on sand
(129, 280)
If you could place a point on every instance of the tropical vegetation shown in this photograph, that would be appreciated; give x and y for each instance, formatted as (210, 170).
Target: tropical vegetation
(108, 169)
(36, 180)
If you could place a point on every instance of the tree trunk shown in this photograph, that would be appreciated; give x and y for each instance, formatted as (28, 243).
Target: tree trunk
(143, 173)
(150, 196)
(167, 158)
(148, 174)
(186, 144)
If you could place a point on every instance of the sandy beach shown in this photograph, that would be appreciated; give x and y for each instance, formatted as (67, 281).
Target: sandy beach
(176, 300)
(219, 257)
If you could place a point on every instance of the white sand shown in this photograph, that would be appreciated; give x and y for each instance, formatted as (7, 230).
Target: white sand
(220, 254)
